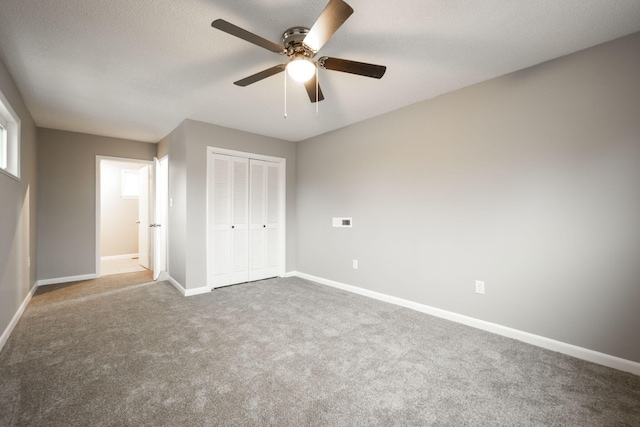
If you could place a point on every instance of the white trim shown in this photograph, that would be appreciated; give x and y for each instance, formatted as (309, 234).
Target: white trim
(162, 276)
(14, 321)
(181, 289)
(125, 256)
(245, 154)
(68, 279)
(537, 340)
(197, 291)
(175, 284)
(13, 150)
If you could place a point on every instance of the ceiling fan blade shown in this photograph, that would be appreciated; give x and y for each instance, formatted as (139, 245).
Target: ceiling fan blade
(234, 30)
(310, 86)
(353, 67)
(331, 18)
(261, 75)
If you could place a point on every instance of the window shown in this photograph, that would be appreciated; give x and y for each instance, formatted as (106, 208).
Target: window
(9, 139)
(130, 188)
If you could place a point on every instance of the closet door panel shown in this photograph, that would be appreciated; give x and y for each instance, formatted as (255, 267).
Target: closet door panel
(240, 220)
(273, 220)
(219, 221)
(257, 194)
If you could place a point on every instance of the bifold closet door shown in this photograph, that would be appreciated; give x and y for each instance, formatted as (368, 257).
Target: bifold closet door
(264, 216)
(229, 220)
(244, 220)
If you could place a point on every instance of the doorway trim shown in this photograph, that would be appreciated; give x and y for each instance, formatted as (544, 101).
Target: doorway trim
(282, 182)
(99, 159)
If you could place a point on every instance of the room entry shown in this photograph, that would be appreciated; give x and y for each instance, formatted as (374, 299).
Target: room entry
(131, 200)
(245, 217)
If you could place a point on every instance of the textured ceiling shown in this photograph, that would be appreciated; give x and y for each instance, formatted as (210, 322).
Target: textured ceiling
(137, 69)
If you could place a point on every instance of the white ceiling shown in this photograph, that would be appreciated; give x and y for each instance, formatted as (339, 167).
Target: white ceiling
(137, 69)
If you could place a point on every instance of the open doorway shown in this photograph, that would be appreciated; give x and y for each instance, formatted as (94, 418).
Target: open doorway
(123, 212)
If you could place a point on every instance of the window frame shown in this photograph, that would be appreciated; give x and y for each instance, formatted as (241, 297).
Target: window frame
(9, 140)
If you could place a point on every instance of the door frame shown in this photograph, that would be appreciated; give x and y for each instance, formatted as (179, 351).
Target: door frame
(161, 206)
(99, 159)
(282, 183)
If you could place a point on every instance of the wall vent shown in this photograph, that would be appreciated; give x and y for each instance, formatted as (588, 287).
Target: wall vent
(342, 222)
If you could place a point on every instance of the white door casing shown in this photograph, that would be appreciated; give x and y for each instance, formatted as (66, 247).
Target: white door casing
(143, 218)
(98, 190)
(160, 216)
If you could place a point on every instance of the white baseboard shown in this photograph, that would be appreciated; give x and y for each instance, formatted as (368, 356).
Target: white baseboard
(537, 340)
(14, 321)
(162, 276)
(182, 290)
(125, 256)
(197, 291)
(57, 280)
(175, 284)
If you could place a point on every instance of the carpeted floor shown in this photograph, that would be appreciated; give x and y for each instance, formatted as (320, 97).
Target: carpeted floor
(124, 351)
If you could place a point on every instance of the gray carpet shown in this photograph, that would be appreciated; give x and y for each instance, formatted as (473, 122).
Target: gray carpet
(123, 351)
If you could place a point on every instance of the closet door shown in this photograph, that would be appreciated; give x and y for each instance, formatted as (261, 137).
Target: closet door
(228, 221)
(264, 216)
(244, 219)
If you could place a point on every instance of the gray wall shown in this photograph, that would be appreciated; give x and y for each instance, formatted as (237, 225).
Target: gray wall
(17, 213)
(529, 182)
(187, 149)
(175, 146)
(67, 197)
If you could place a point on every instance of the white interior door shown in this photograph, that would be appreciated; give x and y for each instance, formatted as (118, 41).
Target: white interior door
(143, 217)
(160, 215)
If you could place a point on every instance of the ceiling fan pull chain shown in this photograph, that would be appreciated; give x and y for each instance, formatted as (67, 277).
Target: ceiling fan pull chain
(285, 95)
(317, 90)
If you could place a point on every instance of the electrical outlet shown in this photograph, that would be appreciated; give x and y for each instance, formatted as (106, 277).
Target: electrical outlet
(479, 287)
(355, 264)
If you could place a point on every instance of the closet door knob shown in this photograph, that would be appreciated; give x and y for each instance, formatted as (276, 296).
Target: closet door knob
(233, 226)
(263, 226)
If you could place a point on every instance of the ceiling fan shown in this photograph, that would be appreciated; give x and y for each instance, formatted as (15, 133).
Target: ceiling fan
(301, 45)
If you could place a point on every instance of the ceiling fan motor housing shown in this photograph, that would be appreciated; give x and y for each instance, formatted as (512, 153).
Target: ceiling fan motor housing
(293, 41)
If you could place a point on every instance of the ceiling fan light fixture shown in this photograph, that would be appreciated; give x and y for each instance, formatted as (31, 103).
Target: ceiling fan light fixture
(301, 69)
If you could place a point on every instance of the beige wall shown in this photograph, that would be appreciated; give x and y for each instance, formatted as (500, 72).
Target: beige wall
(67, 197)
(529, 182)
(17, 214)
(118, 215)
